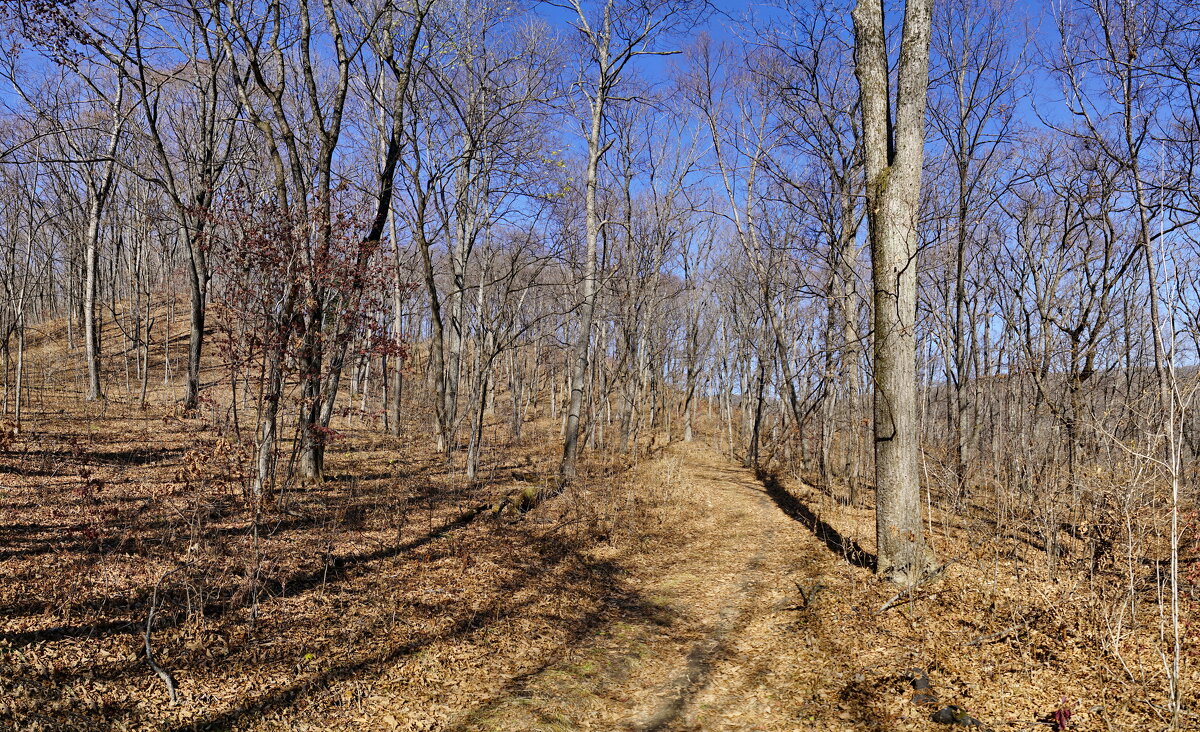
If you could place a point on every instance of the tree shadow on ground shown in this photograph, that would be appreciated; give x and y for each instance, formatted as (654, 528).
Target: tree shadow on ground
(843, 546)
(334, 569)
(339, 547)
(591, 578)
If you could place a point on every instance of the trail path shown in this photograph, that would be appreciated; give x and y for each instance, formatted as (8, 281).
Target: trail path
(723, 605)
(734, 644)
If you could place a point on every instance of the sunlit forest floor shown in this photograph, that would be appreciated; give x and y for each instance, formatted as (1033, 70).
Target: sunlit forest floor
(681, 593)
(387, 565)
(768, 618)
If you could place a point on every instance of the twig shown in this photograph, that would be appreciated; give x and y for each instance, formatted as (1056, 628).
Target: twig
(162, 672)
(806, 596)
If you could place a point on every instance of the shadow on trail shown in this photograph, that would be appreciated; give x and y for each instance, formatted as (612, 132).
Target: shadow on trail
(583, 578)
(619, 604)
(796, 509)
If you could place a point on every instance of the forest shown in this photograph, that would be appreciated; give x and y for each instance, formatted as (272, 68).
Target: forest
(599, 364)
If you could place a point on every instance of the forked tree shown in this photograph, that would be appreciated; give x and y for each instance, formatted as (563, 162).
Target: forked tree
(894, 146)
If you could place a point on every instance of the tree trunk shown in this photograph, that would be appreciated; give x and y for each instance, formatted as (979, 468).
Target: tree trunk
(311, 464)
(894, 154)
(91, 334)
(588, 301)
(273, 391)
(396, 374)
(197, 287)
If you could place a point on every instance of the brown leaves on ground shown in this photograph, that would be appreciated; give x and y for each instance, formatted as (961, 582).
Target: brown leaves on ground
(678, 595)
(385, 571)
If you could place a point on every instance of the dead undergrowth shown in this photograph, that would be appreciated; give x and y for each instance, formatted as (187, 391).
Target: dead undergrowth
(1002, 633)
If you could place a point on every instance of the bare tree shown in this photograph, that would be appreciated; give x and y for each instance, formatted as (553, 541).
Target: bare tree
(612, 35)
(894, 150)
(972, 112)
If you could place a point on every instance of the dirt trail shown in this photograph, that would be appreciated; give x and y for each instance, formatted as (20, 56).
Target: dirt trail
(735, 643)
(723, 605)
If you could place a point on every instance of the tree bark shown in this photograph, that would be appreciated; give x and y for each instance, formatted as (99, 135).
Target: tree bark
(894, 153)
(100, 193)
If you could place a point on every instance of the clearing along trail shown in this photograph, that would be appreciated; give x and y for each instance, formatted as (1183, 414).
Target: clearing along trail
(753, 626)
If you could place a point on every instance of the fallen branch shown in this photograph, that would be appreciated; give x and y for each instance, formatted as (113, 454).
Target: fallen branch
(162, 672)
(806, 596)
(909, 599)
(1001, 634)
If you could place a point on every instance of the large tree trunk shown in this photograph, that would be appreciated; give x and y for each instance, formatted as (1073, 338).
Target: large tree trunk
(268, 427)
(311, 458)
(894, 153)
